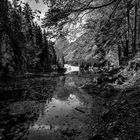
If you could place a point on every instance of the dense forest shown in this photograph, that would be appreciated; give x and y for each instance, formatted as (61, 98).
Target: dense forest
(115, 23)
(100, 100)
(24, 45)
(110, 26)
(26, 48)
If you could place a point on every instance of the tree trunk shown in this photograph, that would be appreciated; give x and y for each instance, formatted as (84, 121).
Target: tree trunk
(139, 24)
(119, 54)
(135, 29)
(127, 35)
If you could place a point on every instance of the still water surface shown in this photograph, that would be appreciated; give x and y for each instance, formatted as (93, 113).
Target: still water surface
(47, 108)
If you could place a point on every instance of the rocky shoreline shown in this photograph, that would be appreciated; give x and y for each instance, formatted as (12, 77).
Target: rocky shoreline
(120, 97)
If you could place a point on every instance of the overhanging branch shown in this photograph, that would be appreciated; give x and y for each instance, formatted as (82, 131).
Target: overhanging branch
(87, 7)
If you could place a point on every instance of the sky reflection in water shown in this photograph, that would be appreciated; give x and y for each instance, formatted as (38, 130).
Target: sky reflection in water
(60, 114)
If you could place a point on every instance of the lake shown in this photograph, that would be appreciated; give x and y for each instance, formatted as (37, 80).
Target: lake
(48, 108)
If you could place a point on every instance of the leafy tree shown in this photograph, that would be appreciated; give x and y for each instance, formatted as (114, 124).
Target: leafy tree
(39, 37)
(28, 21)
(8, 23)
(115, 23)
(23, 45)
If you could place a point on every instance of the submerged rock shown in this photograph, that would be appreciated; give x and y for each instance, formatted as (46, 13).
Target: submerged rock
(97, 137)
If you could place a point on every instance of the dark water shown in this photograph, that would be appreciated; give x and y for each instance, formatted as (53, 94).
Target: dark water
(47, 108)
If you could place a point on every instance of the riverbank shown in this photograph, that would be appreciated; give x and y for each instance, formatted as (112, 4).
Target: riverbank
(122, 119)
(120, 96)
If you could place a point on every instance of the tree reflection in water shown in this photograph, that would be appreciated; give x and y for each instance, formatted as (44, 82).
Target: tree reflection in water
(62, 113)
(48, 108)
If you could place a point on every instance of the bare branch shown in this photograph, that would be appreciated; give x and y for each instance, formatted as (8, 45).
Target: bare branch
(87, 7)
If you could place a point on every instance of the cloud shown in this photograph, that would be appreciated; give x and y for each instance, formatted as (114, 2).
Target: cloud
(39, 6)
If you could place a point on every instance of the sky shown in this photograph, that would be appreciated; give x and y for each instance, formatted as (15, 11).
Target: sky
(39, 6)
(43, 8)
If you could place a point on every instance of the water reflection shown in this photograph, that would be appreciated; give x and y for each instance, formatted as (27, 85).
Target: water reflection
(57, 114)
(17, 114)
(54, 108)
(67, 111)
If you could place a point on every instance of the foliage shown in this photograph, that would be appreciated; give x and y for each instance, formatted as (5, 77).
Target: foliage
(24, 47)
(115, 22)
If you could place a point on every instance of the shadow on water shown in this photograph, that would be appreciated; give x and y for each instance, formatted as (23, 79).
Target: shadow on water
(46, 109)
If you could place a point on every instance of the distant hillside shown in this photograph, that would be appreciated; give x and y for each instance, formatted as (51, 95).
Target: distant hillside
(62, 43)
(82, 49)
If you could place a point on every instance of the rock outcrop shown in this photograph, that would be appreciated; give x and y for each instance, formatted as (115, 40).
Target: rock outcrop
(83, 48)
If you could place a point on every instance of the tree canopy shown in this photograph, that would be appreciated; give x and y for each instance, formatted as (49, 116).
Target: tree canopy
(24, 46)
(115, 22)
